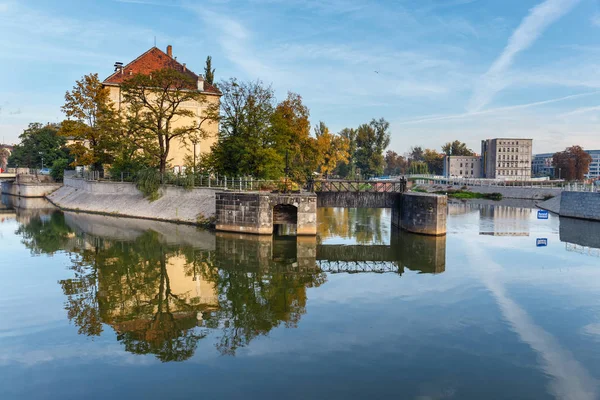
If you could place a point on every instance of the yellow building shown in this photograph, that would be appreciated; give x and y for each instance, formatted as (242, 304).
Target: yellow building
(154, 60)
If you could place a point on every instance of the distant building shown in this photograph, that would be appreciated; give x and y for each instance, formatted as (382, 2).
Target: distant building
(506, 158)
(542, 165)
(154, 60)
(594, 172)
(462, 166)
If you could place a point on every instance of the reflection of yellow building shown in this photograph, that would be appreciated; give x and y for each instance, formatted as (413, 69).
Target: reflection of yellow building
(500, 220)
(181, 291)
(154, 60)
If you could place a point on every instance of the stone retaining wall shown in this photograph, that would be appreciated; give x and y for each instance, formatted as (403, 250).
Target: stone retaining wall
(176, 204)
(29, 189)
(583, 205)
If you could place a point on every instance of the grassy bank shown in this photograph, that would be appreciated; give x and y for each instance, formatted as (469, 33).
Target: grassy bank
(462, 194)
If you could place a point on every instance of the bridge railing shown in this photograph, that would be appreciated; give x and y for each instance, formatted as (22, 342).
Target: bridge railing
(371, 186)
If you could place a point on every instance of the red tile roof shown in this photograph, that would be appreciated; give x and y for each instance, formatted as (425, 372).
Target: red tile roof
(154, 60)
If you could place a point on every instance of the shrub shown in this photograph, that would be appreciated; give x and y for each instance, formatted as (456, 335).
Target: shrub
(58, 169)
(148, 182)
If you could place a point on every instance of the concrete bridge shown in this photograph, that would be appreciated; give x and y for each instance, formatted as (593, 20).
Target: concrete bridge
(7, 176)
(261, 213)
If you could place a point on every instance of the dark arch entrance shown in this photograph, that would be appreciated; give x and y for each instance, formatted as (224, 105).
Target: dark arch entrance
(285, 219)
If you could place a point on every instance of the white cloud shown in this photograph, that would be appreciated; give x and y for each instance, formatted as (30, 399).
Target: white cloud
(531, 28)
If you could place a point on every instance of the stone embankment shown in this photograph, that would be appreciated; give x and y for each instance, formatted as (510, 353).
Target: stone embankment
(25, 185)
(176, 204)
(582, 205)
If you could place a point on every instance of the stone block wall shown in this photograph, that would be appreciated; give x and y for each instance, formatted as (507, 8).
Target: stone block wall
(422, 213)
(253, 212)
(584, 205)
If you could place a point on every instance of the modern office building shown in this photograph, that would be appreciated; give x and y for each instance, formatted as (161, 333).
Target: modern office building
(594, 172)
(541, 165)
(462, 166)
(506, 158)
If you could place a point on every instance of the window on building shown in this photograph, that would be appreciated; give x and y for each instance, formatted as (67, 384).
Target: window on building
(461, 166)
(461, 172)
(472, 165)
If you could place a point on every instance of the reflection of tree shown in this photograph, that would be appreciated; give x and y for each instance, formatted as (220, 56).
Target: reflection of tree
(147, 291)
(127, 285)
(45, 234)
(365, 225)
(255, 295)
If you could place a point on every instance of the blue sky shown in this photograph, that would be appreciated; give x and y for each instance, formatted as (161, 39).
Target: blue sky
(446, 69)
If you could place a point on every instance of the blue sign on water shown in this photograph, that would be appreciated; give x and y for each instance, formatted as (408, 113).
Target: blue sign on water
(541, 242)
(542, 214)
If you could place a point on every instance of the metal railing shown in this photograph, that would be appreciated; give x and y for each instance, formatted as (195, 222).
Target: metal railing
(240, 184)
(372, 186)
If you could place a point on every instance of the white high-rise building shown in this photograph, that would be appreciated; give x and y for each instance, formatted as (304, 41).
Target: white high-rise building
(506, 158)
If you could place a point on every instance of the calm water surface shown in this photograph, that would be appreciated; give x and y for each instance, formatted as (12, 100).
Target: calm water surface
(95, 307)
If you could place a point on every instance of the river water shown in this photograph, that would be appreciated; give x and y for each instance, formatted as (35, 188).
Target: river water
(505, 306)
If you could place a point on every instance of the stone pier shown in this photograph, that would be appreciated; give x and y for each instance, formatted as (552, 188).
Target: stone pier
(422, 213)
(259, 213)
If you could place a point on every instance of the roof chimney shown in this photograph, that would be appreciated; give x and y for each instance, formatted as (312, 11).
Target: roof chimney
(200, 83)
(184, 67)
(170, 51)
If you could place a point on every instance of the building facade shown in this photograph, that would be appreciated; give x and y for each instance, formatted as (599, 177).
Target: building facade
(594, 172)
(154, 60)
(541, 165)
(462, 166)
(506, 158)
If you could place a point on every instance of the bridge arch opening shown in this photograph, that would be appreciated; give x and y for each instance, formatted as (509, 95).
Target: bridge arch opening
(285, 219)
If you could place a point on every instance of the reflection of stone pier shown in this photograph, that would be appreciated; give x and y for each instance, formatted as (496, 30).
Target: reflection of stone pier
(580, 232)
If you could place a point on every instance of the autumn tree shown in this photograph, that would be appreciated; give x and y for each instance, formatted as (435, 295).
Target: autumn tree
(291, 131)
(371, 141)
(332, 149)
(157, 105)
(209, 71)
(572, 164)
(395, 164)
(457, 148)
(434, 161)
(4, 154)
(91, 122)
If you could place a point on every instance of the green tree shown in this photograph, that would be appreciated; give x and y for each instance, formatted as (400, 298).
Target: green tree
(395, 164)
(246, 145)
(209, 71)
(39, 144)
(434, 161)
(416, 154)
(572, 164)
(92, 123)
(457, 148)
(155, 103)
(371, 141)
